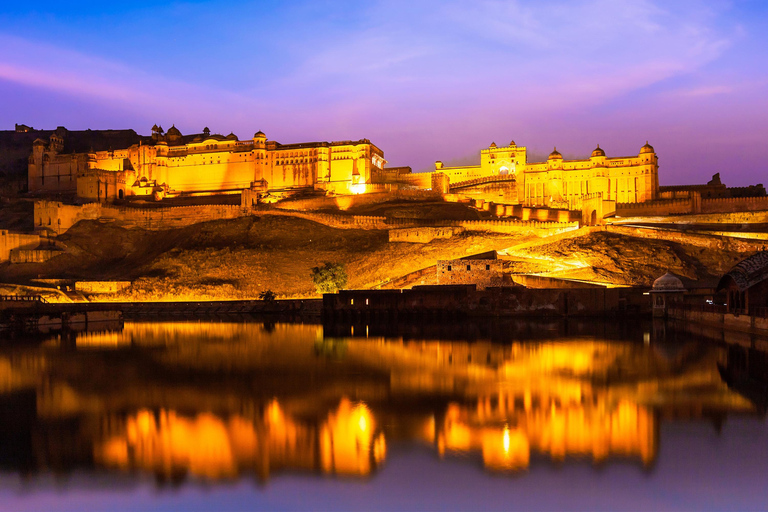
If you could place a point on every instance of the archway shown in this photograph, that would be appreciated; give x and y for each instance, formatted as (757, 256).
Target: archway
(120, 194)
(503, 171)
(593, 218)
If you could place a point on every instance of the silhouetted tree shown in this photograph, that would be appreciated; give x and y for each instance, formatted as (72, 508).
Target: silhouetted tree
(267, 295)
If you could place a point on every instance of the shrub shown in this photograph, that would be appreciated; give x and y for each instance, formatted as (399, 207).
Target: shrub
(329, 278)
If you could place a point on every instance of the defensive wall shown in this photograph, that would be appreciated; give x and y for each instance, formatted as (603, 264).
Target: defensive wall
(25, 248)
(693, 205)
(526, 213)
(378, 222)
(33, 255)
(423, 235)
(58, 217)
(344, 202)
(10, 241)
(96, 287)
(756, 217)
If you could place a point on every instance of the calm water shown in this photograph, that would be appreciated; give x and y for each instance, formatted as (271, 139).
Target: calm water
(220, 416)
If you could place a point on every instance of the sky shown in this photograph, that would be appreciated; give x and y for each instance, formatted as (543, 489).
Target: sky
(423, 80)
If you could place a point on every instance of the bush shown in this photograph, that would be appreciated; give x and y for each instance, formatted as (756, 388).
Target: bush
(267, 295)
(329, 278)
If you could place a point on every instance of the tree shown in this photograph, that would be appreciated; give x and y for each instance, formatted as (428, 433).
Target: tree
(267, 295)
(329, 278)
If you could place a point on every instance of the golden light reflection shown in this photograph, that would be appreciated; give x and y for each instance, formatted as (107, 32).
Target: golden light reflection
(210, 447)
(585, 398)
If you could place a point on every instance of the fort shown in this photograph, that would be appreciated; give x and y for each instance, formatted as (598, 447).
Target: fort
(169, 208)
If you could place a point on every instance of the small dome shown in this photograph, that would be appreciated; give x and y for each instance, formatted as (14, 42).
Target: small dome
(647, 148)
(493, 145)
(173, 132)
(231, 136)
(668, 283)
(598, 151)
(259, 135)
(512, 143)
(555, 155)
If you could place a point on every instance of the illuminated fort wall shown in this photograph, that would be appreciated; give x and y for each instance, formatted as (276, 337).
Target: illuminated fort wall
(205, 165)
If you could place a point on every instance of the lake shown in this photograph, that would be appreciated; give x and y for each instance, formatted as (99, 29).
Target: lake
(517, 415)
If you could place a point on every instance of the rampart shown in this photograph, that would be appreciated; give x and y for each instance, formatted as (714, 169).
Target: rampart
(12, 241)
(658, 207)
(692, 205)
(344, 202)
(376, 222)
(423, 235)
(95, 287)
(59, 217)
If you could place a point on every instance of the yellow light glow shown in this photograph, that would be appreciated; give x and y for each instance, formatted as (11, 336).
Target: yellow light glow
(506, 440)
(362, 423)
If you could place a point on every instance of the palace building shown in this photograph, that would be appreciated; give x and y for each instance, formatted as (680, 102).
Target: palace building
(558, 182)
(171, 164)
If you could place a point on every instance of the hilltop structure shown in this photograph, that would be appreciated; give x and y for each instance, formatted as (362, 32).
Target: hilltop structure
(171, 164)
(557, 182)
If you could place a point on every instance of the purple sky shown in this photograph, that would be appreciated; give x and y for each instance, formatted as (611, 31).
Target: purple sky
(424, 81)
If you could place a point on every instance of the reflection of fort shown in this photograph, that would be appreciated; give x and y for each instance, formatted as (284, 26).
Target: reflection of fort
(217, 400)
(345, 442)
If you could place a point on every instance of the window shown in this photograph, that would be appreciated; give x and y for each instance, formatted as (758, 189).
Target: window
(351, 302)
(469, 267)
(449, 267)
(487, 267)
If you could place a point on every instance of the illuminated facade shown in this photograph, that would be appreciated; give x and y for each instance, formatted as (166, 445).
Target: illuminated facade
(558, 182)
(171, 164)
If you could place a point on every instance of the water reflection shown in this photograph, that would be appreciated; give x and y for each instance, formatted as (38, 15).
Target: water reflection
(213, 401)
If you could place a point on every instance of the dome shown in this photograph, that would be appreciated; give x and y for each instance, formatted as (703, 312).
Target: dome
(512, 143)
(231, 136)
(668, 283)
(493, 145)
(598, 152)
(173, 132)
(259, 135)
(647, 148)
(555, 155)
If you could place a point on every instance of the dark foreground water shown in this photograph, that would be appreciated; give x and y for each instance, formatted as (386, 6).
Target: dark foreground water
(247, 416)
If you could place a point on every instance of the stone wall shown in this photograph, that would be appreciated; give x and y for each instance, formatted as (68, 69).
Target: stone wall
(693, 205)
(377, 222)
(734, 204)
(482, 273)
(423, 235)
(344, 202)
(33, 255)
(58, 217)
(11, 241)
(659, 207)
(94, 287)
